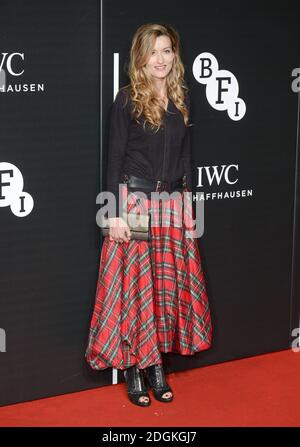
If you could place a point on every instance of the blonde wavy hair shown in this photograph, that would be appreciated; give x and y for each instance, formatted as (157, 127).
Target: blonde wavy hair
(142, 92)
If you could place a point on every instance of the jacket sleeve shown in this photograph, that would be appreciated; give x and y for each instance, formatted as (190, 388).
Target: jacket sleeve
(187, 151)
(118, 137)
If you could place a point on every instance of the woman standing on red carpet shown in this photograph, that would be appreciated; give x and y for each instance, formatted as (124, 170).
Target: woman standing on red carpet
(151, 295)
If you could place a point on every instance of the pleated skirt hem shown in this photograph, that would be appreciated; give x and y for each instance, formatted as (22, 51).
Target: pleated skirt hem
(99, 364)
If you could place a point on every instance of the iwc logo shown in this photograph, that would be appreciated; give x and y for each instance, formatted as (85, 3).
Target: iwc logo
(11, 68)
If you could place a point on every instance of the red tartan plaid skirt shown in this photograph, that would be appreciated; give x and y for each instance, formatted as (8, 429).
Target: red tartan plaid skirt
(151, 295)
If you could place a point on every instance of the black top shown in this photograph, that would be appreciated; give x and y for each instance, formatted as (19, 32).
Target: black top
(164, 155)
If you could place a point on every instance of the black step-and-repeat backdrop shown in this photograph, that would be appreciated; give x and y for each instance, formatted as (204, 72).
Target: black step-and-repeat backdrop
(61, 63)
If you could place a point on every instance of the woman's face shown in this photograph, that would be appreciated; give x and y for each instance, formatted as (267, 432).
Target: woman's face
(160, 62)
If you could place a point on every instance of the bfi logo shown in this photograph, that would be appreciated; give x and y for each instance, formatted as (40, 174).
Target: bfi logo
(222, 86)
(11, 190)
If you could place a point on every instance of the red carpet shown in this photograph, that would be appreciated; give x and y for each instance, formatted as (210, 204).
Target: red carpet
(257, 391)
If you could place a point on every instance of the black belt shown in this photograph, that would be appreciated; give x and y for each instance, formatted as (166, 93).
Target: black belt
(153, 185)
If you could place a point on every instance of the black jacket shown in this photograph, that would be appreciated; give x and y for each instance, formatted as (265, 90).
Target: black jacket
(164, 155)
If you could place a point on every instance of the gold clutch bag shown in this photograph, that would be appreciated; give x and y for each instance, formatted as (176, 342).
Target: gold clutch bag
(138, 224)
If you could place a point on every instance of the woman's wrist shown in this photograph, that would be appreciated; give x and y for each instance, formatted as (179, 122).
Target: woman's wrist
(116, 221)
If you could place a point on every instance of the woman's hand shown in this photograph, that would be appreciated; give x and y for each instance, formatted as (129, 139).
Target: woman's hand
(118, 230)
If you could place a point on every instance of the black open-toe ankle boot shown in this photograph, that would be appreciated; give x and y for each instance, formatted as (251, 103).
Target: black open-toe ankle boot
(156, 379)
(136, 386)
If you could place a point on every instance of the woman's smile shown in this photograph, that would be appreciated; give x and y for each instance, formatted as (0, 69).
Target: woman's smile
(160, 68)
